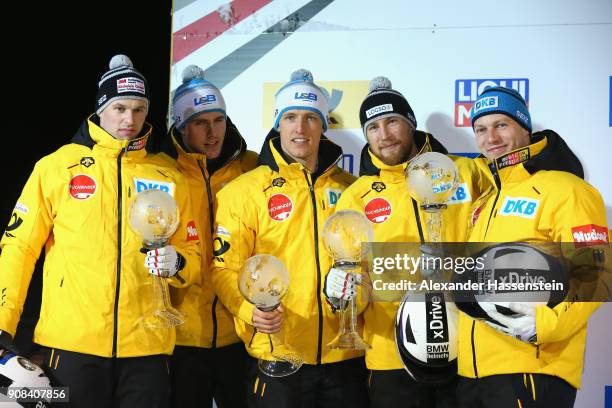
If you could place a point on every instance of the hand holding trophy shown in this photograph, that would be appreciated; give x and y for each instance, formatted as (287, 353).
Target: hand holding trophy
(343, 235)
(154, 216)
(264, 281)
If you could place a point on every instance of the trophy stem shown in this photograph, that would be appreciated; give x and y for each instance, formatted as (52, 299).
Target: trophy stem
(348, 338)
(282, 360)
(164, 315)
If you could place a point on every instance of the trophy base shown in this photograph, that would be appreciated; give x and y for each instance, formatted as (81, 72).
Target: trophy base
(279, 368)
(162, 319)
(348, 341)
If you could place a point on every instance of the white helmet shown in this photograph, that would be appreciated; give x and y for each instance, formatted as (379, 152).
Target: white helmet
(426, 337)
(20, 373)
(510, 263)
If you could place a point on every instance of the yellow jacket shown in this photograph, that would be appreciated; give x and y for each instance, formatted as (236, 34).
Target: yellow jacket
(384, 186)
(208, 323)
(280, 209)
(554, 205)
(76, 204)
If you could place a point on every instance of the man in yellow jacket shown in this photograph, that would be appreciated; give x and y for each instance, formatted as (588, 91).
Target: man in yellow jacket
(538, 194)
(209, 360)
(96, 282)
(380, 193)
(279, 209)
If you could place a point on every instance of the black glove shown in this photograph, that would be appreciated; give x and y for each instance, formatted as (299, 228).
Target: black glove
(6, 342)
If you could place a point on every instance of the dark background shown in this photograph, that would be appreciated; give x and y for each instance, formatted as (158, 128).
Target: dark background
(54, 54)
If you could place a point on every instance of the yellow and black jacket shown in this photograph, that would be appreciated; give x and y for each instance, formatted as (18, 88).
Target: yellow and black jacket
(279, 209)
(538, 195)
(208, 323)
(76, 204)
(381, 194)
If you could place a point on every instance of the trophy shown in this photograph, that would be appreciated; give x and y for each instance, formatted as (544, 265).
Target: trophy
(432, 179)
(264, 281)
(155, 217)
(343, 234)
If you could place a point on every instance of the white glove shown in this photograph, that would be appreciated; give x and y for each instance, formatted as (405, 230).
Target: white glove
(164, 262)
(340, 285)
(521, 326)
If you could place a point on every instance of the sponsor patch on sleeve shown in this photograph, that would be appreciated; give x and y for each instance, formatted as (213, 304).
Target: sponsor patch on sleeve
(21, 207)
(222, 231)
(192, 231)
(590, 234)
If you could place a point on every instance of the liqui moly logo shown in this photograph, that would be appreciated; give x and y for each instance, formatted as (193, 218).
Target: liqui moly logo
(468, 90)
(279, 207)
(589, 234)
(378, 210)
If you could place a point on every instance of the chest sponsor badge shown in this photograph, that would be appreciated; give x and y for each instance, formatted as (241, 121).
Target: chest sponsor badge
(141, 184)
(519, 207)
(279, 207)
(378, 210)
(82, 186)
(333, 196)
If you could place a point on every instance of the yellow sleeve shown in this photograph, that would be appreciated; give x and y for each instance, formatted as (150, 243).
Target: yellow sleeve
(580, 213)
(29, 228)
(186, 239)
(233, 243)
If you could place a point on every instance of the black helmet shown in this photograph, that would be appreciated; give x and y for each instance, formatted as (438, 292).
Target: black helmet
(426, 337)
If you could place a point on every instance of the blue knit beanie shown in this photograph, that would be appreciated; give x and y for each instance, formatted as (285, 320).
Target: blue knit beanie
(502, 100)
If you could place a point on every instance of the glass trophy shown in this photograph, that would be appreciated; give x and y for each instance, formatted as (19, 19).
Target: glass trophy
(154, 216)
(264, 281)
(343, 235)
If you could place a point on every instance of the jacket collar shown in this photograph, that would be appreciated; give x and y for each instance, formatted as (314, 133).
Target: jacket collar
(233, 145)
(272, 155)
(90, 134)
(547, 152)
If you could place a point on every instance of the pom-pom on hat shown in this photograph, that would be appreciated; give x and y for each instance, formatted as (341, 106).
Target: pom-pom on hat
(502, 100)
(383, 101)
(301, 93)
(121, 81)
(194, 96)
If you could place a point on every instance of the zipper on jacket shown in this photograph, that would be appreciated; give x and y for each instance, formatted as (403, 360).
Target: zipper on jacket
(211, 220)
(118, 275)
(498, 185)
(316, 248)
(474, 349)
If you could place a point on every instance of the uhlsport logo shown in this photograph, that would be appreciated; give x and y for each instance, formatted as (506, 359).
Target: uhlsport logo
(519, 207)
(468, 90)
(279, 207)
(378, 210)
(82, 187)
(145, 184)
